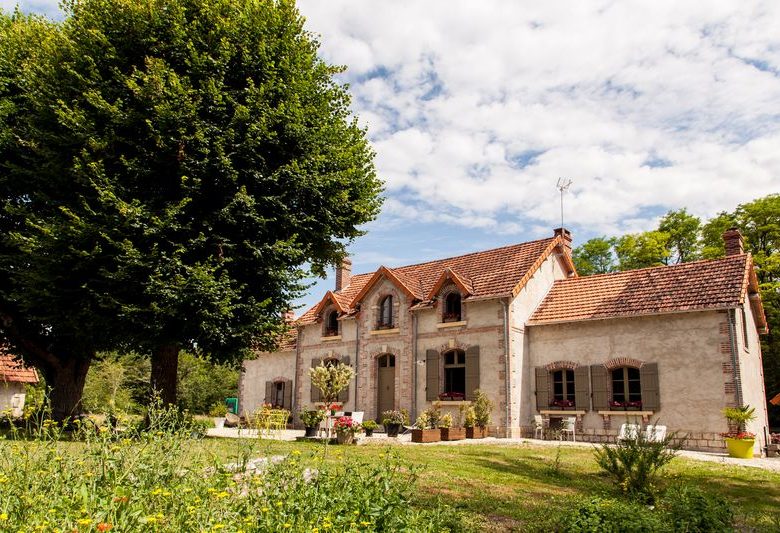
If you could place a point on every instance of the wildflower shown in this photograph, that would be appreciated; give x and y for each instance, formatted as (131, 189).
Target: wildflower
(296, 452)
(221, 495)
(156, 491)
(121, 499)
(264, 509)
(104, 526)
(84, 521)
(3, 517)
(365, 524)
(279, 504)
(217, 527)
(287, 525)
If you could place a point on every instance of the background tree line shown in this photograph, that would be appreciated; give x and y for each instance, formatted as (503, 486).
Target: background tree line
(682, 237)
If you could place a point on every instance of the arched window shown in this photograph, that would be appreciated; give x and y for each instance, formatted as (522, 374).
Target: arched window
(452, 308)
(332, 324)
(386, 313)
(455, 374)
(386, 361)
(626, 387)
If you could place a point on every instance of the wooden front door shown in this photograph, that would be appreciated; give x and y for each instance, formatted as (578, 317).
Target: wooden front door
(385, 385)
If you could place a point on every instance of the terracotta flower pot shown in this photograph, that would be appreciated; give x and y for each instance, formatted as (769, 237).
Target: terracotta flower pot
(476, 432)
(448, 434)
(426, 435)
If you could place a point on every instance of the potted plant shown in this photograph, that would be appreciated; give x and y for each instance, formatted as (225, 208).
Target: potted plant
(482, 407)
(423, 430)
(392, 420)
(345, 429)
(448, 432)
(311, 419)
(738, 441)
(469, 421)
(369, 426)
(218, 412)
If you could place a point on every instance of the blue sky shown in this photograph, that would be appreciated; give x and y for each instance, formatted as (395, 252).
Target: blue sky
(475, 109)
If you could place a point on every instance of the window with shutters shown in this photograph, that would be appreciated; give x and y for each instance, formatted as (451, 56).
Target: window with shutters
(745, 336)
(279, 394)
(331, 326)
(563, 385)
(385, 319)
(626, 388)
(452, 308)
(455, 374)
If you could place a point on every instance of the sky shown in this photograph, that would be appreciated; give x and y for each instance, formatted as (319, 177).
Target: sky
(476, 109)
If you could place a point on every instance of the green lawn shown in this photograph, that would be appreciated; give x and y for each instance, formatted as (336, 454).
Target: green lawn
(505, 487)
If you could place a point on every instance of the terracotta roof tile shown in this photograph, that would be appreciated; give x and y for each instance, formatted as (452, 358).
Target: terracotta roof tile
(709, 284)
(491, 273)
(12, 370)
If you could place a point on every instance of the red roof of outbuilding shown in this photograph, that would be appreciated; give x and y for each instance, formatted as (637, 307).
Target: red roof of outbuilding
(12, 370)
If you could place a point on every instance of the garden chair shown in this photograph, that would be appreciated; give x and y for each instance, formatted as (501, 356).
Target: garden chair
(357, 417)
(278, 422)
(569, 425)
(655, 433)
(628, 432)
(539, 426)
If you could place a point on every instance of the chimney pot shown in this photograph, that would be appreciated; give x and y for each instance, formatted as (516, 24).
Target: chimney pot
(343, 273)
(735, 245)
(566, 235)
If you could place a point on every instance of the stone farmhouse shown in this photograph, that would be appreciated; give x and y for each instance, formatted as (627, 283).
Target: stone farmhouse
(673, 344)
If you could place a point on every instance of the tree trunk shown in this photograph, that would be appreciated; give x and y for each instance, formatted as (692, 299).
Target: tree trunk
(165, 364)
(67, 385)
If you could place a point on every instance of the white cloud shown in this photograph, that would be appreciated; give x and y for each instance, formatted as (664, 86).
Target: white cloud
(476, 109)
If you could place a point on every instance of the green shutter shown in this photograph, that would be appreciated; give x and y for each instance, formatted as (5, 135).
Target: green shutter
(582, 388)
(315, 392)
(472, 371)
(542, 388)
(598, 376)
(288, 395)
(269, 392)
(344, 395)
(431, 375)
(648, 376)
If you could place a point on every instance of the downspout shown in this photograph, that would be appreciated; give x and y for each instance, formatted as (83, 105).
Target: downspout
(507, 366)
(298, 364)
(414, 365)
(734, 355)
(357, 366)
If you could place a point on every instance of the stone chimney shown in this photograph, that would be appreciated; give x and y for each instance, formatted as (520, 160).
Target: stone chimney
(566, 234)
(289, 316)
(734, 243)
(343, 273)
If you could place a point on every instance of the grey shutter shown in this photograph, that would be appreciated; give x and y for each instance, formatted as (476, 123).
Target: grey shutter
(288, 395)
(344, 395)
(269, 392)
(472, 371)
(315, 392)
(581, 388)
(598, 375)
(648, 376)
(431, 375)
(542, 388)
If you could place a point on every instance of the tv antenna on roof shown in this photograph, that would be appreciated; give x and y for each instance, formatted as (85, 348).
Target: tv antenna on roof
(563, 186)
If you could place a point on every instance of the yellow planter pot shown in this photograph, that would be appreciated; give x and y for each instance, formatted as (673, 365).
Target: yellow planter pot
(740, 448)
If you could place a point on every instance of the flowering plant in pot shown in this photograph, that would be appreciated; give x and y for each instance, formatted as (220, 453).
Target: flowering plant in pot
(482, 406)
(392, 420)
(345, 429)
(369, 426)
(311, 419)
(218, 411)
(738, 441)
(424, 430)
(448, 432)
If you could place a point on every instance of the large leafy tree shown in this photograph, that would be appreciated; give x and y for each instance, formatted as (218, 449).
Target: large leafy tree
(684, 231)
(640, 250)
(175, 166)
(594, 256)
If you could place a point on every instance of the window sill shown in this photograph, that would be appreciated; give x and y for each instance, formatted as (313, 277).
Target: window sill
(393, 331)
(442, 325)
(560, 412)
(626, 413)
(331, 338)
(454, 403)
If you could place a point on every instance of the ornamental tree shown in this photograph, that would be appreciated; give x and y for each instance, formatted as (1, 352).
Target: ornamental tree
(173, 167)
(331, 379)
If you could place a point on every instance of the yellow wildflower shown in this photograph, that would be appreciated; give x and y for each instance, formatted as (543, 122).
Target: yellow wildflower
(84, 521)
(3, 517)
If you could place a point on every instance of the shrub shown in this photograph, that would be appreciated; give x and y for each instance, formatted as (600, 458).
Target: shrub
(445, 421)
(218, 410)
(370, 425)
(393, 417)
(604, 515)
(482, 408)
(311, 417)
(422, 421)
(635, 463)
(690, 509)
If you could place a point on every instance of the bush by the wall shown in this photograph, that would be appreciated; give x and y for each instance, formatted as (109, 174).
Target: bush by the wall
(693, 510)
(606, 515)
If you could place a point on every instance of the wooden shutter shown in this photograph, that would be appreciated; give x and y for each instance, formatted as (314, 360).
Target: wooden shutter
(648, 376)
(582, 388)
(542, 388)
(431, 375)
(598, 376)
(269, 392)
(287, 394)
(344, 395)
(472, 371)
(315, 392)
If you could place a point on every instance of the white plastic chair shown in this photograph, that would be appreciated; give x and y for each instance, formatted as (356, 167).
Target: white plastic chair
(539, 426)
(569, 424)
(655, 433)
(357, 417)
(629, 431)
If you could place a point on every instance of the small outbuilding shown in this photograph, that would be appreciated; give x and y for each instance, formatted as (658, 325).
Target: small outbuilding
(13, 377)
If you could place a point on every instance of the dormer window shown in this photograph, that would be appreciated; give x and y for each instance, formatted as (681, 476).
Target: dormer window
(451, 312)
(385, 313)
(331, 324)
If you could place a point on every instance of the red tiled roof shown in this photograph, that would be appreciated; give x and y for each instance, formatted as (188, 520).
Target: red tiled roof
(491, 273)
(708, 284)
(12, 370)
